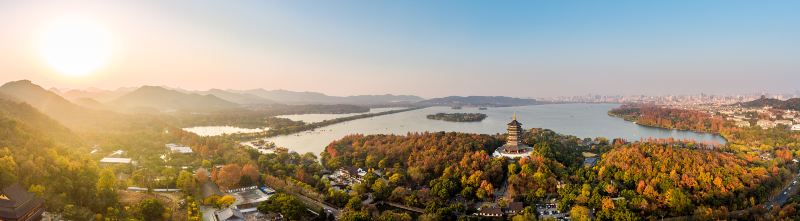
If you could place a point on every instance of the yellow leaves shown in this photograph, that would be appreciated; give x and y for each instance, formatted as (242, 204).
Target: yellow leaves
(601, 172)
(650, 192)
(718, 183)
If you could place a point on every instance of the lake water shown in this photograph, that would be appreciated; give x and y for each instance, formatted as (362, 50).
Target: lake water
(210, 131)
(581, 120)
(314, 118)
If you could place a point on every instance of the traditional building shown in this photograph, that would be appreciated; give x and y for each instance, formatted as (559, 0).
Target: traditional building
(514, 148)
(229, 214)
(514, 141)
(17, 204)
(490, 212)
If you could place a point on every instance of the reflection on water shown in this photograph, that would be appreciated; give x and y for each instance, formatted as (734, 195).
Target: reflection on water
(581, 120)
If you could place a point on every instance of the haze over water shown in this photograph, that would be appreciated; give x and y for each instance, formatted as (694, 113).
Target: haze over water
(581, 120)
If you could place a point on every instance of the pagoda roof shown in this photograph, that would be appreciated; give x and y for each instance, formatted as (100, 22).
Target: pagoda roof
(514, 123)
(15, 201)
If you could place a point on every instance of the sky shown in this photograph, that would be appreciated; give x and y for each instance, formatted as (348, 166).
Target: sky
(422, 47)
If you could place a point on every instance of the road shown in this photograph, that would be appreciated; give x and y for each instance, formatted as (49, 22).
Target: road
(785, 194)
(328, 208)
(775, 201)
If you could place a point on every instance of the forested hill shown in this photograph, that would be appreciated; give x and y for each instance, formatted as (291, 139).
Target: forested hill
(791, 104)
(33, 152)
(55, 106)
(162, 99)
(22, 113)
(65, 112)
(239, 98)
(479, 101)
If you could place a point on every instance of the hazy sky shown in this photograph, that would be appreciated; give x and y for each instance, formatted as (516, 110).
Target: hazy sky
(426, 48)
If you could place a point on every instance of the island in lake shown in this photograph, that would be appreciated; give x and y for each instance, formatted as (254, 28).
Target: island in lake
(458, 117)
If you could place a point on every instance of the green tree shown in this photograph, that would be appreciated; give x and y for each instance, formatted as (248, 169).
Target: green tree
(381, 189)
(8, 170)
(186, 182)
(285, 204)
(150, 209)
(354, 216)
(107, 181)
(393, 216)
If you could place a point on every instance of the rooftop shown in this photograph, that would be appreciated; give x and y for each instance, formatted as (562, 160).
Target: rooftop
(115, 160)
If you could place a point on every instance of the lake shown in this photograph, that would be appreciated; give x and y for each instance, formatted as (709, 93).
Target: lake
(314, 118)
(581, 120)
(210, 131)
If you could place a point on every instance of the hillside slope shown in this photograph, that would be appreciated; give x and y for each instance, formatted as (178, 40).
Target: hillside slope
(294, 97)
(55, 106)
(162, 99)
(791, 104)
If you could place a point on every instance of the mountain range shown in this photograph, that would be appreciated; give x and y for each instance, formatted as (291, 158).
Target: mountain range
(85, 104)
(246, 97)
(55, 106)
(162, 99)
(306, 97)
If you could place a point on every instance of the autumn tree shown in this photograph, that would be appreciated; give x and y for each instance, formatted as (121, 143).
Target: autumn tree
(229, 176)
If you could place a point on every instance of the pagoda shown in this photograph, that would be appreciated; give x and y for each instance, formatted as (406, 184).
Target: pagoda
(514, 147)
(17, 204)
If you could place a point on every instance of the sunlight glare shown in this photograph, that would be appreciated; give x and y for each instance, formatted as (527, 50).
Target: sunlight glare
(75, 46)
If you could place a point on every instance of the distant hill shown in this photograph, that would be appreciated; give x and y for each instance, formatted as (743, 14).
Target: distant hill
(162, 99)
(239, 98)
(293, 97)
(479, 101)
(30, 117)
(90, 103)
(99, 95)
(44, 100)
(791, 104)
(381, 99)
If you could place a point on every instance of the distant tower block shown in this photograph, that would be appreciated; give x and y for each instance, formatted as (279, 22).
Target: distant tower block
(514, 148)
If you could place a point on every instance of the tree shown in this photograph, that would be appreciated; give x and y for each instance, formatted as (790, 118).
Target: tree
(107, 180)
(393, 216)
(285, 204)
(37, 189)
(229, 176)
(186, 182)
(192, 212)
(350, 215)
(579, 213)
(381, 189)
(354, 203)
(211, 200)
(678, 201)
(337, 197)
(202, 176)
(8, 170)
(106, 190)
(251, 171)
(150, 209)
(225, 201)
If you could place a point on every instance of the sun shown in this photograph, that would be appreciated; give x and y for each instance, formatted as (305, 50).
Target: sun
(75, 46)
